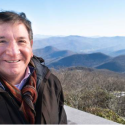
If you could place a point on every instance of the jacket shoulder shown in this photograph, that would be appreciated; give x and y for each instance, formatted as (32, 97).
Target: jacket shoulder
(53, 81)
(45, 74)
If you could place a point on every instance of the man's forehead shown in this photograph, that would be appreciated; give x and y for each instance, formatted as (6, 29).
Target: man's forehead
(18, 30)
(11, 25)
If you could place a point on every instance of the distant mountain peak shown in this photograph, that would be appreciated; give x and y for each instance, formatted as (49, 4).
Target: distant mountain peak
(50, 48)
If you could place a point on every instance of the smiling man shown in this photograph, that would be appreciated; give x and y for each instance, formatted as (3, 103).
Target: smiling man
(15, 51)
(29, 92)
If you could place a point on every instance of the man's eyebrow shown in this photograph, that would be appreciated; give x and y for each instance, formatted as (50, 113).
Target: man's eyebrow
(22, 37)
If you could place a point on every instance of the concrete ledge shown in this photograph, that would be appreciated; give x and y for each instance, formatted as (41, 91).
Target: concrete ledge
(76, 116)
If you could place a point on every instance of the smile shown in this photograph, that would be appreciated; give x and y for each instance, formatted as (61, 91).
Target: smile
(12, 61)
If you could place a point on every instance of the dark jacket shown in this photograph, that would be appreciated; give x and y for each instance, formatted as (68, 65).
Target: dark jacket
(49, 106)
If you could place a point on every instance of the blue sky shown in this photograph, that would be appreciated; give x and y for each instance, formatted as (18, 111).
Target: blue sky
(72, 17)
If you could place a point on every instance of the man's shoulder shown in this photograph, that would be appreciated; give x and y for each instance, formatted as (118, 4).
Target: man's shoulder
(40, 68)
(44, 73)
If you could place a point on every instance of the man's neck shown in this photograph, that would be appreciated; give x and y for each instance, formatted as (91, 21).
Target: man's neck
(13, 80)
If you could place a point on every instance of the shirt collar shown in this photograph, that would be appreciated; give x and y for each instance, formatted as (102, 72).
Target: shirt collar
(28, 72)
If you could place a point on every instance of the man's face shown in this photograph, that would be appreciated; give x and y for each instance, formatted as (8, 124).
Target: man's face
(15, 50)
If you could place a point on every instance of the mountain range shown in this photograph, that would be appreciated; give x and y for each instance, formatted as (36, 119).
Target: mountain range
(87, 60)
(116, 64)
(94, 60)
(114, 61)
(80, 44)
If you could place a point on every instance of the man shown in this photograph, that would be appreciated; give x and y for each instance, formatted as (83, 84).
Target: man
(29, 92)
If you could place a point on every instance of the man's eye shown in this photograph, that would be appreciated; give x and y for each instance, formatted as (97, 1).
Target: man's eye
(21, 41)
(2, 41)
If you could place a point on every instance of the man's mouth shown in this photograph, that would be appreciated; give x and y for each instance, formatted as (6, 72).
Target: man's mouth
(12, 61)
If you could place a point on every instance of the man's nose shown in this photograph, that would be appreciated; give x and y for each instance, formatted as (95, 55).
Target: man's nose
(13, 49)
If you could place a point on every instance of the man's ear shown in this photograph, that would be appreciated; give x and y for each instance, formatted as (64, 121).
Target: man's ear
(31, 42)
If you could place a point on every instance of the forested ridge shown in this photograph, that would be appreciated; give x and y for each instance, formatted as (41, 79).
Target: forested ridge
(100, 92)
